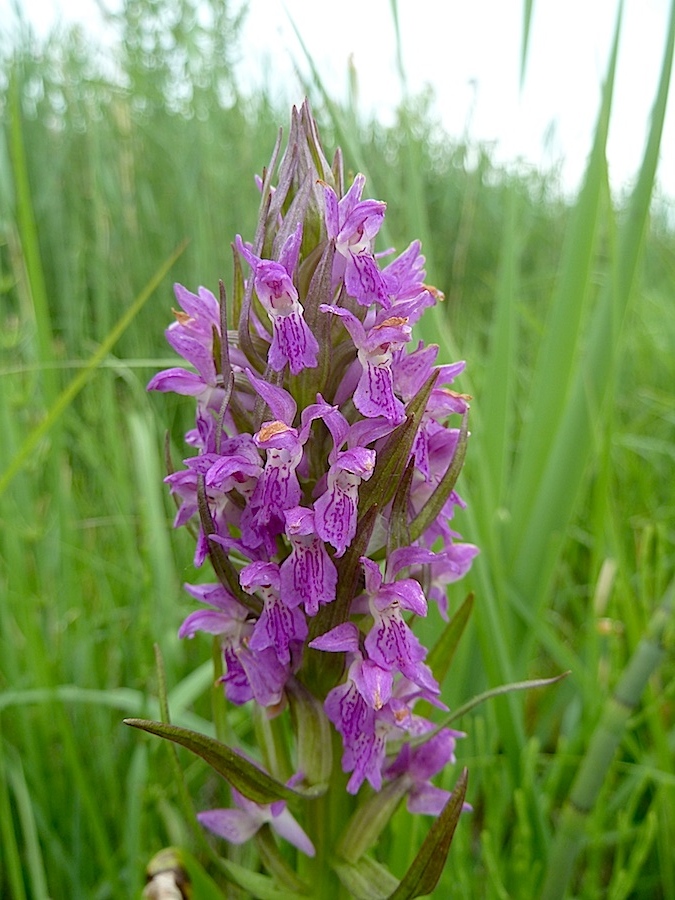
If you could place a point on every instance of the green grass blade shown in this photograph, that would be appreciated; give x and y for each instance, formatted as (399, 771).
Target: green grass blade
(562, 333)
(28, 234)
(66, 397)
(648, 656)
(542, 523)
(11, 870)
(35, 867)
(525, 45)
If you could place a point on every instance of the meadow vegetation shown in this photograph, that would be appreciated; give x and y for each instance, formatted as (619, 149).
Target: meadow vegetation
(562, 307)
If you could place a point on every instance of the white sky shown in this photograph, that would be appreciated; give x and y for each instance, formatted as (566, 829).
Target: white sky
(469, 53)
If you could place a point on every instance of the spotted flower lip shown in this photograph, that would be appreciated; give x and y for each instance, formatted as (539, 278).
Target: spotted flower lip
(292, 341)
(353, 225)
(323, 431)
(374, 394)
(308, 575)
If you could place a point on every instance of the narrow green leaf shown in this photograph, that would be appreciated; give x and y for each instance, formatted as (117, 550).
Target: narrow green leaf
(313, 734)
(562, 333)
(422, 876)
(527, 21)
(443, 651)
(243, 775)
(393, 458)
(497, 692)
(366, 879)
(565, 462)
(28, 232)
(369, 821)
(648, 656)
(399, 530)
(13, 872)
(34, 864)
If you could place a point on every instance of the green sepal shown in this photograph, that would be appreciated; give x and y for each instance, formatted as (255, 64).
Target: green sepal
(243, 775)
(369, 821)
(315, 277)
(225, 571)
(399, 532)
(243, 300)
(393, 458)
(366, 879)
(432, 508)
(422, 876)
(313, 734)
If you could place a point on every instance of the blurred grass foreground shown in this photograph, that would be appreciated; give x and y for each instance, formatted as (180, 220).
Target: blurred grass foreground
(564, 310)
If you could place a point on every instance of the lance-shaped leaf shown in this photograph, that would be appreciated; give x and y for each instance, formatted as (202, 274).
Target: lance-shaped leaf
(422, 876)
(243, 775)
(393, 458)
(399, 531)
(243, 299)
(432, 508)
(367, 879)
(369, 821)
(315, 286)
(443, 651)
(313, 734)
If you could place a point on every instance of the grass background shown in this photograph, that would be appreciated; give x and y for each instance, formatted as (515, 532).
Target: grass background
(564, 311)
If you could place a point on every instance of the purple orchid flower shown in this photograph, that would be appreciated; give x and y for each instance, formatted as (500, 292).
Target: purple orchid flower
(280, 627)
(308, 575)
(353, 224)
(336, 510)
(292, 340)
(239, 823)
(274, 486)
(374, 394)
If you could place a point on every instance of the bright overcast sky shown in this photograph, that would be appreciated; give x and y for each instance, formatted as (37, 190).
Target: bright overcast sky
(469, 53)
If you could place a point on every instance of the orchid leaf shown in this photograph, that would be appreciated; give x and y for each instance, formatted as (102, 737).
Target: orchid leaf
(369, 821)
(443, 651)
(422, 876)
(366, 879)
(243, 775)
(315, 748)
(262, 887)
